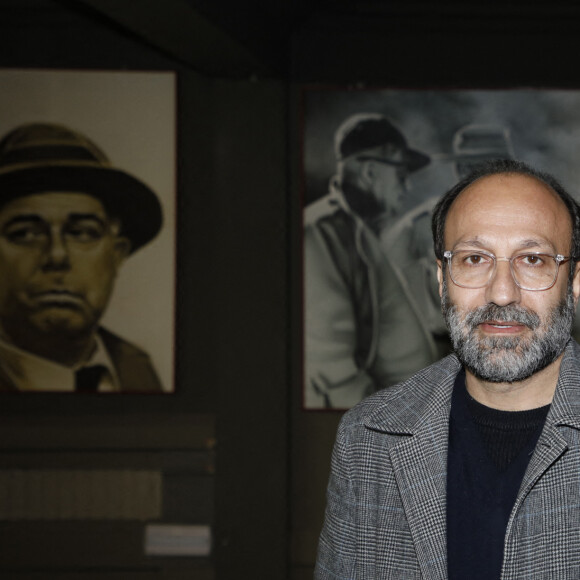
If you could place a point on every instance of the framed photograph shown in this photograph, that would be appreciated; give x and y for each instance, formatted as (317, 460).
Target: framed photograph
(87, 203)
(375, 163)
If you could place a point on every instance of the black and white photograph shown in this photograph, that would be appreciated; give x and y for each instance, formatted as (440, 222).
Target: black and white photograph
(375, 162)
(87, 231)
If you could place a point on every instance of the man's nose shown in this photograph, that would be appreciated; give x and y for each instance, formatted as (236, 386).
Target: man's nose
(502, 288)
(56, 255)
(404, 183)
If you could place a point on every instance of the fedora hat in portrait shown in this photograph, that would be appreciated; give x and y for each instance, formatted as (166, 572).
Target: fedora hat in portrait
(46, 157)
(364, 132)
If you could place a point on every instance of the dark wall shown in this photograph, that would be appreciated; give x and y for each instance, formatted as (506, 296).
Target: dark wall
(416, 44)
(220, 440)
(251, 292)
(234, 448)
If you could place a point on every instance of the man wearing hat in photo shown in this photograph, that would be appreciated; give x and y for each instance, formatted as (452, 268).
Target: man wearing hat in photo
(409, 240)
(475, 144)
(68, 220)
(363, 329)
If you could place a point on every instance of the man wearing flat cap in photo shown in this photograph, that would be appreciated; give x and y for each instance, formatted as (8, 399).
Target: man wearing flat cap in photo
(68, 220)
(363, 328)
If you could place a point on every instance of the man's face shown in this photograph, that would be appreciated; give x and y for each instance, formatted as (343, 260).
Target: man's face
(500, 332)
(59, 255)
(388, 184)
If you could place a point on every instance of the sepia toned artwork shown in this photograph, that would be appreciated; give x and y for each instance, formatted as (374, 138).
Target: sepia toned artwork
(375, 163)
(87, 231)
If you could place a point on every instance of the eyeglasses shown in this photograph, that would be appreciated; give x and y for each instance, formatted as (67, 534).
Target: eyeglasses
(400, 166)
(535, 272)
(384, 160)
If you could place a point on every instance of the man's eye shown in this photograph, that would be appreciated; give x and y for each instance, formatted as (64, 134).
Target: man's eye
(87, 232)
(25, 235)
(531, 260)
(475, 260)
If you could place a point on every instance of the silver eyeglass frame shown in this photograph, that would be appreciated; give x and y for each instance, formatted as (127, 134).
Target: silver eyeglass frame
(558, 258)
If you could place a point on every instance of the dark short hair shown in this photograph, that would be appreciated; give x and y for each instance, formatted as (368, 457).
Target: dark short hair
(496, 167)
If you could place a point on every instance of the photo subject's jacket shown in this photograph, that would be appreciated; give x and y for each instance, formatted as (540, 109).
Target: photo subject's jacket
(362, 326)
(385, 517)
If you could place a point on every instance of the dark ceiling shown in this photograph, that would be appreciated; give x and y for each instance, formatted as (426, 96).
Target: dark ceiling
(263, 38)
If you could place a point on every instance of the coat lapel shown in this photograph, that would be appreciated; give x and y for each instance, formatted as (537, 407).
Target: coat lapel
(549, 448)
(419, 462)
(565, 410)
(420, 466)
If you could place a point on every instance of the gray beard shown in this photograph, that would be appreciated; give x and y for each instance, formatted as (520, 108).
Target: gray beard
(508, 359)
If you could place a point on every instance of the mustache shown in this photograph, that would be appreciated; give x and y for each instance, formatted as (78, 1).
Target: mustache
(509, 313)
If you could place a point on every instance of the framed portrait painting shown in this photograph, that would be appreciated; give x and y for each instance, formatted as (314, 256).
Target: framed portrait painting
(87, 231)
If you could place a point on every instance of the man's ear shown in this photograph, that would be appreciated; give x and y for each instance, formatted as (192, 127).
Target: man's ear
(440, 277)
(367, 173)
(122, 246)
(576, 283)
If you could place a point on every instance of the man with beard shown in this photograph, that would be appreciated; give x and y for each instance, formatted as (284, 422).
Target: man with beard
(363, 327)
(68, 221)
(471, 468)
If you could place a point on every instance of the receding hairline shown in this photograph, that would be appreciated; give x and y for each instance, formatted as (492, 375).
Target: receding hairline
(510, 175)
(500, 168)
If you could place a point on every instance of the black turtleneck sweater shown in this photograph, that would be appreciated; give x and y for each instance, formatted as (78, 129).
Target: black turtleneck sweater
(489, 451)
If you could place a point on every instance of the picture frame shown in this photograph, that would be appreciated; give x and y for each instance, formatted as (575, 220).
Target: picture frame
(131, 117)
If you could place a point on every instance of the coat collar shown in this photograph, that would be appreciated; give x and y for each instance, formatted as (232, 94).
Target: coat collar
(565, 409)
(403, 409)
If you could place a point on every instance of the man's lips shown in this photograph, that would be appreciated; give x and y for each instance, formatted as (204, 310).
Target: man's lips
(57, 298)
(500, 327)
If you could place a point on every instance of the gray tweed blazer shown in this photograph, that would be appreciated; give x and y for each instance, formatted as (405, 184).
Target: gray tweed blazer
(385, 515)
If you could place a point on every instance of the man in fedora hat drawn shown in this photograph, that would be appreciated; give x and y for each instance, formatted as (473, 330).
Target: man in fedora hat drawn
(363, 329)
(68, 220)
